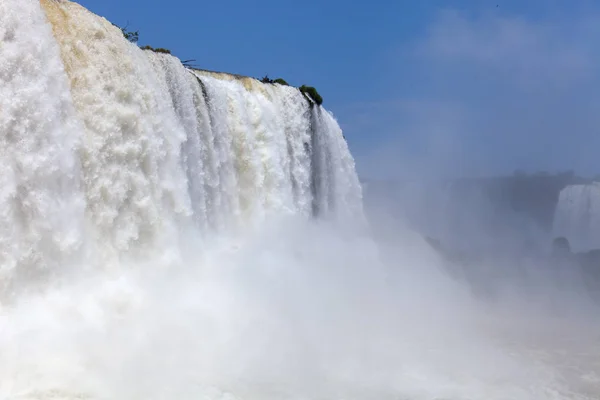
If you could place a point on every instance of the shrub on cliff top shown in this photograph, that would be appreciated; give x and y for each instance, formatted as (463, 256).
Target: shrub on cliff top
(312, 93)
(133, 37)
(158, 50)
(266, 79)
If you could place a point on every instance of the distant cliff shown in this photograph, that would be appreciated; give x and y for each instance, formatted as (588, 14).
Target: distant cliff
(534, 196)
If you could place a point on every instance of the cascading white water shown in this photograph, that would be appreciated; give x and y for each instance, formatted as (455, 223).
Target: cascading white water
(41, 201)
(133, 181)
(149, 148)
(337, 188)
(175, 208)
(251, 134)
(577, 216)
(114, 157)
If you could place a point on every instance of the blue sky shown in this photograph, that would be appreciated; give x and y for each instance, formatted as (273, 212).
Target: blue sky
(471, 87)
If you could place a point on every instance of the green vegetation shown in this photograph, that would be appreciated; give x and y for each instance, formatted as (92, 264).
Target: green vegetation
(133, 37)
(312, 93)
(157, 50)
(308, 91)
(266, 79)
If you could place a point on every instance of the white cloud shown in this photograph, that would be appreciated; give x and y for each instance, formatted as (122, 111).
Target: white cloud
(522, 52)
(495, 93)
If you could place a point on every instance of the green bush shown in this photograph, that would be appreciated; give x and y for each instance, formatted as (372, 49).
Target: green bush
(266, 79)
(158, 50)
(133, 37)
(312, 93)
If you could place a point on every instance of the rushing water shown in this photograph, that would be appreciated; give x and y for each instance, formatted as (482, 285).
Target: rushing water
(577, 216)
(168, 233)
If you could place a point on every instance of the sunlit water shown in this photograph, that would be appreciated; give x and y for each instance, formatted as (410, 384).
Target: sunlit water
(177, 234)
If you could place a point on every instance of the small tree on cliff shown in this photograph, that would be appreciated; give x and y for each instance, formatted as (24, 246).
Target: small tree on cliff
(133, 37)
(312, 93)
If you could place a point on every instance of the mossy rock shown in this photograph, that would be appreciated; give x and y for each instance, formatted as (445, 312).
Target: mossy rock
(312, 93)
(281, 82)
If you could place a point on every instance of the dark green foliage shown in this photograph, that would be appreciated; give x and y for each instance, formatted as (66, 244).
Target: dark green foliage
(307, 91)
(266, 79)
(157, 50)
(133, 37)
(281, 82)
(312, 93)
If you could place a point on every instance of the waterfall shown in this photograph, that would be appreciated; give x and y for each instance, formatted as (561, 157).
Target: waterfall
(113, 153)
(41, 201)
(174, 233)
(577, 216)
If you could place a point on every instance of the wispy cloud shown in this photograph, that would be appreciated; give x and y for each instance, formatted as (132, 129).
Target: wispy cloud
(493, 93)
